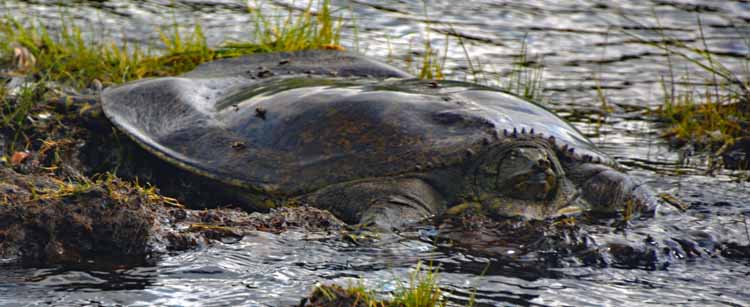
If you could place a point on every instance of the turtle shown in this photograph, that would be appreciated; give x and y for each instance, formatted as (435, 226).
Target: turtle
(368, 141)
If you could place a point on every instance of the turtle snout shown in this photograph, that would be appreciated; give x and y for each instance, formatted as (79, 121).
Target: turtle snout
(535, 185)
(528, 175)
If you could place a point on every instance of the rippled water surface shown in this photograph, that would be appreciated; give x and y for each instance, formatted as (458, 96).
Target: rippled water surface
(583, 47)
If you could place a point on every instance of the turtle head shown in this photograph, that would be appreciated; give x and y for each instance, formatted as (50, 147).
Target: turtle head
(531, 178)
(526, 173)
(519, 178)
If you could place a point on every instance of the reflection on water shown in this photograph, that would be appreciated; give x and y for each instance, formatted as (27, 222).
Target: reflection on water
(582, 46)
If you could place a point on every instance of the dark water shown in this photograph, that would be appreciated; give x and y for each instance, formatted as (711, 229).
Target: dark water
(581, 45)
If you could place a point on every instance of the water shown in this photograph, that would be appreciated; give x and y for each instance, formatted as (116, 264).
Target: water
(582, 46)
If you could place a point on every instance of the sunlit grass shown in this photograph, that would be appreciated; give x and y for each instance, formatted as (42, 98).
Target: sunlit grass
(707, 116)
(67, 55)
(115, 188)
(421, 290)
(308, 30)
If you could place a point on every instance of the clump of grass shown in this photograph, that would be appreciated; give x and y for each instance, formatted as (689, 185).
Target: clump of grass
(525, 78)
(308, 30)
(708, 117)
(428, 64)
(421, 290)
(15, 110)
(708, 120)
(431, 67)
(68, 56)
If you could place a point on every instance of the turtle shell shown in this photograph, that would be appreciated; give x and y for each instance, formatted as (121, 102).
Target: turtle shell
(290, 123)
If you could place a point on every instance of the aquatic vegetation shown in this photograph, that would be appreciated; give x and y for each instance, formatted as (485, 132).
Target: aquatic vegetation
(525, 78)
(319, 30)
(709, 119)
(68, 56)
(431, 65)
(421, 290)
(711, 116)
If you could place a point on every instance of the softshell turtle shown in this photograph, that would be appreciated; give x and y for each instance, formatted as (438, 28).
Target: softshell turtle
(367, 141)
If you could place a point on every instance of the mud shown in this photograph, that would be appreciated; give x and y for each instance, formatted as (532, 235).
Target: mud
(582, 240)
(46, 221)
(73, 190)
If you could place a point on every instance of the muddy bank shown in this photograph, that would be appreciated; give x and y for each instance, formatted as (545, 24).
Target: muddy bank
(44, 220)
(73, 189)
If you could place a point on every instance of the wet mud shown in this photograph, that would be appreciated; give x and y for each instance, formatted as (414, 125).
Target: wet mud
(80, 192)
(45, 221)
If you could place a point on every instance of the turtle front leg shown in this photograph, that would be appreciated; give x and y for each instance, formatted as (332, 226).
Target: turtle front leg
(385, 204)
(608, 190)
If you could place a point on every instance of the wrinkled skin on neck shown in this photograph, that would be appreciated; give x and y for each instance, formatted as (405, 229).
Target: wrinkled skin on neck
(534, 179)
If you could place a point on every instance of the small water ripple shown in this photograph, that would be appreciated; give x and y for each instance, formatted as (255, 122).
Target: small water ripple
(583, 46)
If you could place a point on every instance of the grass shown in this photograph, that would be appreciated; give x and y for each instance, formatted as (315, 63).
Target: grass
(118, 190)
(421, 290)
(426, 64)
(525, 78)
(708, 119)
(711, 116)
(306, 31)
(68, 56)
(14, 112)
